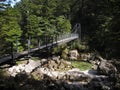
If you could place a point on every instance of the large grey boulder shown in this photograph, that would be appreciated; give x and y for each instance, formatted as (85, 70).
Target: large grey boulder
(106, 68)
(76, 75)
(27, 68)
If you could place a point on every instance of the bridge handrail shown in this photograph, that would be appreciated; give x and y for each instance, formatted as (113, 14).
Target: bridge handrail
(66, 37)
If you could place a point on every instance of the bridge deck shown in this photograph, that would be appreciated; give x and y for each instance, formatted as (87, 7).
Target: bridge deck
(59, 42)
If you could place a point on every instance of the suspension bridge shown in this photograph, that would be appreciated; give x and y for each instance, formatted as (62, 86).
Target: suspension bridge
(57, 40)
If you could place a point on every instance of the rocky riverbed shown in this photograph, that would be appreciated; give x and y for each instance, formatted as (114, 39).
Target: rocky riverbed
(58, 74)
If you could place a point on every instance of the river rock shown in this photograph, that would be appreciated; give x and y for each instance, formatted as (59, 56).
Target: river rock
(31, 66)
(65, 53)
(76, 76)
(60, 75)
(85, 56)
(73, 54)
(13, 71)
(56, 58)
(100, 84)
(106, 68)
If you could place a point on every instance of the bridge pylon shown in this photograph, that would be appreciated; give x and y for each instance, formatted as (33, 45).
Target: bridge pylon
(77, 30)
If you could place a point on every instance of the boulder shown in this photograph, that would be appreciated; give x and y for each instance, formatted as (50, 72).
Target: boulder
(117, 86)
(73, 75)
(54, 65)
(76, 76)
(37, 74)
(116, 63)
(58, 74)
(86, 56)
(65, 53)
(55, 57)
(106, 68)
(31, 66)
(73, 54)
(101, 83)
(13, 71)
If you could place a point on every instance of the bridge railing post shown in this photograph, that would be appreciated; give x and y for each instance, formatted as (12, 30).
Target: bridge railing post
(46, 41)
(80, 32)
(38, 42)
(12, 54)
(29, 44)
(52, 41)
(17, 45)
(56, 38)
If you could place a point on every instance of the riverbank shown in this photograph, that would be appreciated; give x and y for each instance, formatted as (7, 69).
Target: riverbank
(55, 74)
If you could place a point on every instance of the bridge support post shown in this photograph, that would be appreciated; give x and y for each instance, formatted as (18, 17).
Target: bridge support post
(38, 42)
(52, 41)
(46, 41)
(13, 62)
(79, 31)
(29, 44)
(17, 45)
(46, 47)
(56, 39)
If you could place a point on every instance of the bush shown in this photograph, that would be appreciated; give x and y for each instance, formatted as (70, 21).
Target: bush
(81, 65)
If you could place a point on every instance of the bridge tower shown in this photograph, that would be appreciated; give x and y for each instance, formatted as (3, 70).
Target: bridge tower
(77, 29)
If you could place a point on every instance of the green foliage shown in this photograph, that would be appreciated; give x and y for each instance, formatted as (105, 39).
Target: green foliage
(99, 21)
(32, 25)
(39, 18)
(80, 46)
(11, 31)
(9, 28)
(64, 53)
(81, 65)
(63, 25)
(32, 18)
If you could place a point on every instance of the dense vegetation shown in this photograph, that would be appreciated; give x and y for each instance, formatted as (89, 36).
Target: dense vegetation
(99, 20)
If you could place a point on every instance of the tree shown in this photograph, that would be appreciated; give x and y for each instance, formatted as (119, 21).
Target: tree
(99, 21)
(10, 29)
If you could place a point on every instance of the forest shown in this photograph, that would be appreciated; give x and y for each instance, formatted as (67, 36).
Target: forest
(99, 21)
(90, 63)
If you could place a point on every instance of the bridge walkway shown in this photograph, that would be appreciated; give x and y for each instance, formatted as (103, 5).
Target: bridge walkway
(61, 40)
